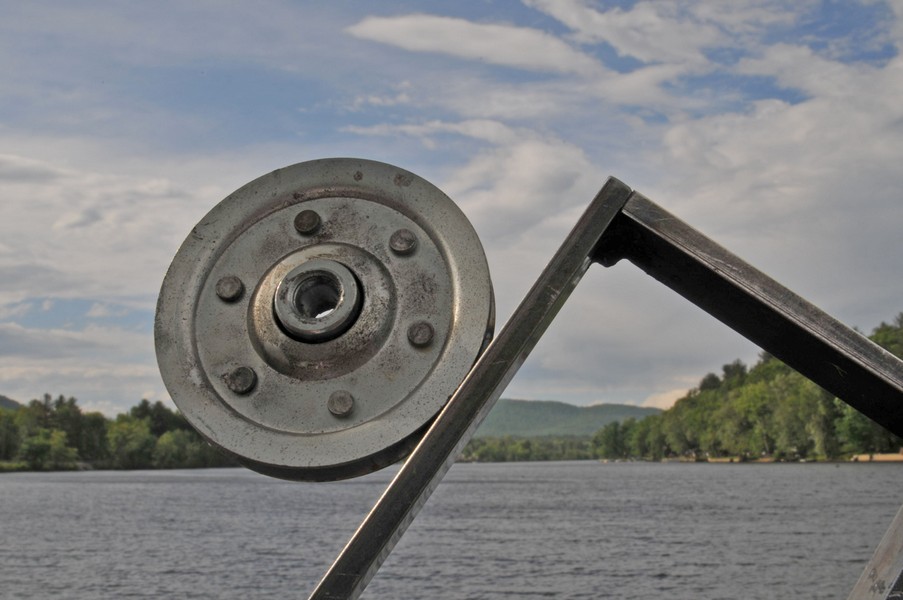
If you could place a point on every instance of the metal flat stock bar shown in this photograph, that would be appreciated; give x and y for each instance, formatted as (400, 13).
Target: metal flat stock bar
(457, 422)
(832, 355)
(882, 578)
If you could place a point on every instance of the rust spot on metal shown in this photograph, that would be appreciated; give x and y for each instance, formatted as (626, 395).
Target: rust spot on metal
(403, 179)
(358, 175)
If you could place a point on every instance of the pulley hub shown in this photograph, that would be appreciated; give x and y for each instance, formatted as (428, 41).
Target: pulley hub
(317, 301)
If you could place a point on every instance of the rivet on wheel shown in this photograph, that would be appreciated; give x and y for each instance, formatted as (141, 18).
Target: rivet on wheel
(241, 380)
(307, 222)
(420, 334)
(229, 288)
(403, 241)
(340, 403)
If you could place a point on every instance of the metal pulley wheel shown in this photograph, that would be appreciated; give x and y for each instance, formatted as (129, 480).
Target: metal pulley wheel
(317, 319)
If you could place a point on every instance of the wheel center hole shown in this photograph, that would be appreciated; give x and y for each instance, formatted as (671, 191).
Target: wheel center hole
(318, 295)
(317, 301)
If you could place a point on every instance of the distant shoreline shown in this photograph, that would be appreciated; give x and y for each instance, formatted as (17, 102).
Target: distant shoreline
(887, 459)
(884, 458)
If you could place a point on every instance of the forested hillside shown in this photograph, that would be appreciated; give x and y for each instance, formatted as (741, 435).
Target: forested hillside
(534, 418)
(54, 434)
(767, 410)
(8, 403)
(531, 430)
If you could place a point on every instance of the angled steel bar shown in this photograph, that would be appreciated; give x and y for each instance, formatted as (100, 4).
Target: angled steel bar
(457, 422)
(842, 361)
(619, 225)
(882, 578)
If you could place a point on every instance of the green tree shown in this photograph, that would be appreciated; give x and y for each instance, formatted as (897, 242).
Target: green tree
(9, 435)
(734, 374)
(645, 440)
(173, 450)
(792, 412)
(745, 421)
(131, 443)
(688, 427)
(93, 444)
(34, 416)
(35, 449)
(60, 455)
(656, 445)
(608, 442)
(767, 369)
(709, 382)
(66, 416)
(860, 435)
(890, 336)
(159, 417)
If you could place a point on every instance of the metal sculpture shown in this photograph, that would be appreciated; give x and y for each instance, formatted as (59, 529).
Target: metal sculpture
(331, 317)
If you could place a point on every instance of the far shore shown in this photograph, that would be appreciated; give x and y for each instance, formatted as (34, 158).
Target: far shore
(894, 457)
(889, 457)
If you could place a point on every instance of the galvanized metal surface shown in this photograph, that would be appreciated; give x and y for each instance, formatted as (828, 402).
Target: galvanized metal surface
(317, 319)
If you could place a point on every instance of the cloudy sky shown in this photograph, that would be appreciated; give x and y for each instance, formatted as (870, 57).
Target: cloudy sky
(774, 126)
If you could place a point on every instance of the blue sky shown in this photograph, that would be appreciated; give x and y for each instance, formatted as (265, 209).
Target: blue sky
(775, 127)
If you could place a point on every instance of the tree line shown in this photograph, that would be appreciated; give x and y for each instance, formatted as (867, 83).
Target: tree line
(768, 410)
(54, 434)
(512, 449)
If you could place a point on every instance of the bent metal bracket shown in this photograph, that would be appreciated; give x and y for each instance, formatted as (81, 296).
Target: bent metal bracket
(335, 316)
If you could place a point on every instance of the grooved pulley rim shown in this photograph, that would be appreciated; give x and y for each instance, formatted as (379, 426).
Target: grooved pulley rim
(314, 322)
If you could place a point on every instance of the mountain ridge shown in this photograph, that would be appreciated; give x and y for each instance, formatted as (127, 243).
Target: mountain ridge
(8, 403)
(537, 418)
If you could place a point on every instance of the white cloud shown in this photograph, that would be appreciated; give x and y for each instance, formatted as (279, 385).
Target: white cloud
(521, 184)
(505, 45)
(664, 400)
(487, 130)
(746, 20)
(101, 366)
(800, 68)
(582, 79)
(166, 34)
(476, 97)
(102, 181)
(772, 182)
(15, 310)
(103, 311)
(104, 228)
(101, 234)
(652, 32)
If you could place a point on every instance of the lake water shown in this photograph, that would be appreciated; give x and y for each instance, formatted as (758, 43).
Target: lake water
(516, 530)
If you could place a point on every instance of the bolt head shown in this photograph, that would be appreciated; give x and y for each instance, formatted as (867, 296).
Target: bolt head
(241, 380)
(230, 288)
(403, 242)
(307, 222)
(340, 403)
(420, 334)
